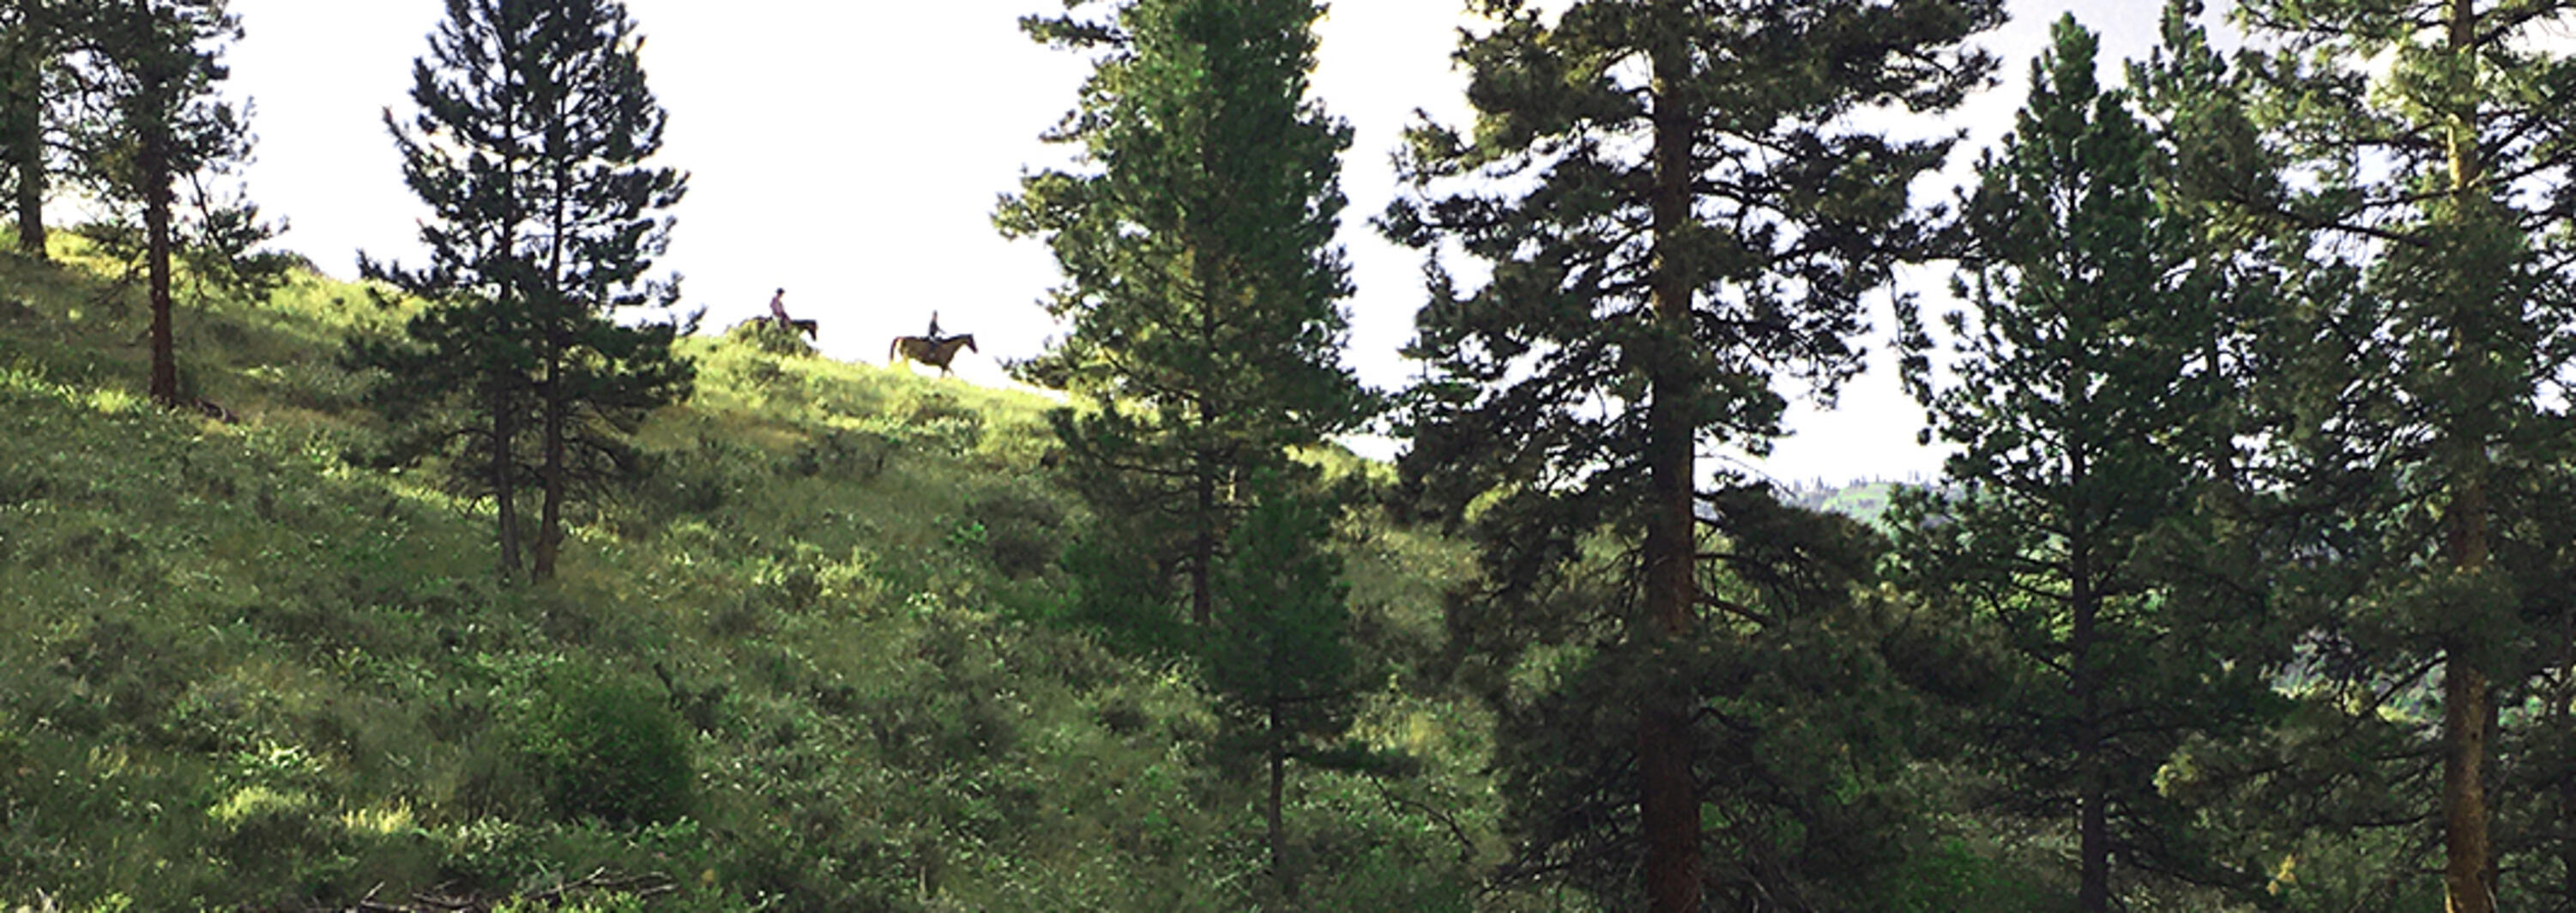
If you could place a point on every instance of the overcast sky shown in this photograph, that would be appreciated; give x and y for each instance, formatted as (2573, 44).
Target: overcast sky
(852, 153)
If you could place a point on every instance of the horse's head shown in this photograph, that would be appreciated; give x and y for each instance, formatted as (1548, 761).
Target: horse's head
(968, 339)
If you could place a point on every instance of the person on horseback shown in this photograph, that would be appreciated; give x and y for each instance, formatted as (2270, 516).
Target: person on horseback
(778, 315)
(933, 336)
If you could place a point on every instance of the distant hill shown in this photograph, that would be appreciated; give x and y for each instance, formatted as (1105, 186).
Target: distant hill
(1863, 501)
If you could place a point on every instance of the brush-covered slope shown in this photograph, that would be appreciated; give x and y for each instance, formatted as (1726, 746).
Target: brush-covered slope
(804, 665)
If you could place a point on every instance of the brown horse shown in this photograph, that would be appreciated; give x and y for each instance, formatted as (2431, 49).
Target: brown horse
(934, 353)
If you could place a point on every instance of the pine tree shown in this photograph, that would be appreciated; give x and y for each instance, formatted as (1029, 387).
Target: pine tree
(1280, 661)
(32, 47)
(2432, 147)
(1700, 219)
(152, 67)
(1202, 286)
(534, 126)
(2080, 386)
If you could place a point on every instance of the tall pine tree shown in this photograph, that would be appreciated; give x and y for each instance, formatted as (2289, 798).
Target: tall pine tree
(530, 146)
(33, 42)
(2080, 384)
(2430, 146)
(1203, 297)
(1692, 217)
(1202, 286)
(150, 68)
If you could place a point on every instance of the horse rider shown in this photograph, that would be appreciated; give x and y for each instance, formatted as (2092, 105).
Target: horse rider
(934, 328)
(778, 310)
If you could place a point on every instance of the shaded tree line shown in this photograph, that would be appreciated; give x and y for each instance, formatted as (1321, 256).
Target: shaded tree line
(2243, 584)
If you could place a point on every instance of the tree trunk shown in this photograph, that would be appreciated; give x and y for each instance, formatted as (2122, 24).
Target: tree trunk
(2093, 824)
(25, 145)
(22, 99)
(552, 473)
(152, 165)
(2083, 659)
(2467, 702)
(2468, 872)
(2561, 707)
(1668, 796)
(2566, 799)
(505, 488)
(1203, 546)
(1278, 820)
(31, 206)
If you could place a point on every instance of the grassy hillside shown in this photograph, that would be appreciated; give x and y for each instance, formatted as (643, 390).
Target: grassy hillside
(805, 666)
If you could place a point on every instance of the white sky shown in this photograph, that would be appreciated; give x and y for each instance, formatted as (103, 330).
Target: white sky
(852, 154)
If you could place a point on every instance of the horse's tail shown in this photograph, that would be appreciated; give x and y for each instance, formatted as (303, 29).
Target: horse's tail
(894, 348)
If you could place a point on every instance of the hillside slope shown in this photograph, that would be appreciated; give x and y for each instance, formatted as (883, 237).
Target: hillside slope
(804, 666)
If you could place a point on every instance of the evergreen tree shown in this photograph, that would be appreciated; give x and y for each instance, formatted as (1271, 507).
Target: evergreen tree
(2079, 388)
(1202, 286)
(1808, 684)
(534, 126)
(33, 39)
(1279, 660)
(151, 68)
(1691, 215)
(2432, 149)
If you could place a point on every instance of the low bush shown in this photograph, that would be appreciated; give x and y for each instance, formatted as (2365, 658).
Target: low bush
(609, 747)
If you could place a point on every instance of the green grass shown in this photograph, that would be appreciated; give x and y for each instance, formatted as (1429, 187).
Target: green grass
(247, 672)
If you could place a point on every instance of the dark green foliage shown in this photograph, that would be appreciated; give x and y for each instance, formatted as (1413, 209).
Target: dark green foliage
(607, 747)
(1123, 595)
(1682, 224)
(1805, 674)
(2080, 384)
(1021, 533)
(1202, 289)
(1279, 660)
(2425, 150)
(529, 146)
(34, 40)
(1201, 280)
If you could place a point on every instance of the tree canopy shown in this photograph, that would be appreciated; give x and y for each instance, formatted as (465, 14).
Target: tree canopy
(530, 146)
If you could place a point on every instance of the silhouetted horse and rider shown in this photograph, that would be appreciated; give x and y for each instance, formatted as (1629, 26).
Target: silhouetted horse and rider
(778, 312)
(933, 348)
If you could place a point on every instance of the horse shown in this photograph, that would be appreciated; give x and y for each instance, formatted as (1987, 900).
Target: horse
(807, 327)
(934, 353)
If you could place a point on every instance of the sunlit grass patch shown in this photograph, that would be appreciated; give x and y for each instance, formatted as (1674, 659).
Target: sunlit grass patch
(834, 576)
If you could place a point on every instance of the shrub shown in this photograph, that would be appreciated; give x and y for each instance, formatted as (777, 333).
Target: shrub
(1022, 531)
(767, 336)
(610, 748)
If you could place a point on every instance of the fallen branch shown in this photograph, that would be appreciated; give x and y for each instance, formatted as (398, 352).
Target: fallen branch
(436, 900)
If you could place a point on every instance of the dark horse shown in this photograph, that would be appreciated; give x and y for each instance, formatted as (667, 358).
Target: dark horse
(807, 327)
(934, 353)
